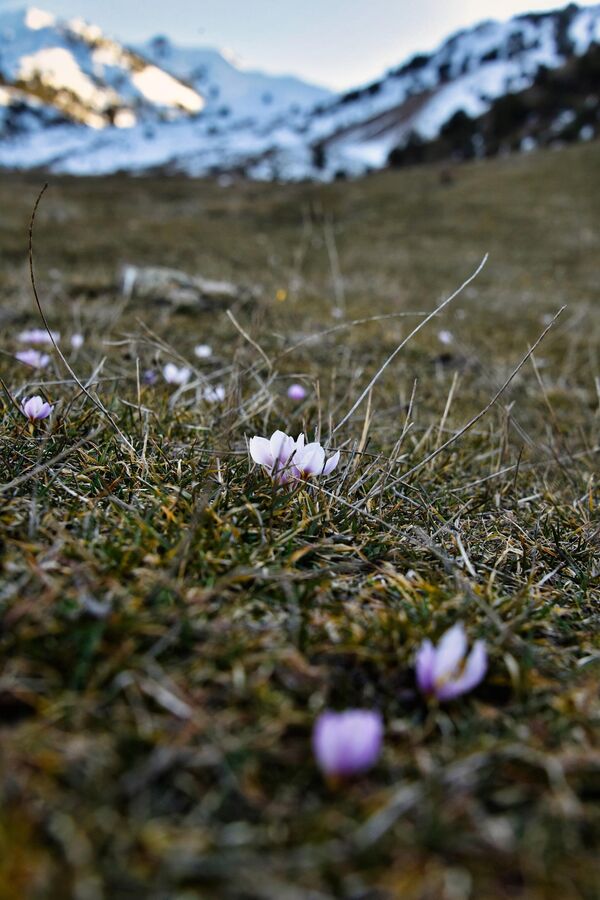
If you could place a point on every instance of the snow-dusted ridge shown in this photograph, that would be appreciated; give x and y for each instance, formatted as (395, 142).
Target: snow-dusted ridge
(76, 101)
(88, 77)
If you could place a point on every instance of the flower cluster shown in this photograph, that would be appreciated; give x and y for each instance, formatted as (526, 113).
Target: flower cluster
(288, 460)
(348, 743)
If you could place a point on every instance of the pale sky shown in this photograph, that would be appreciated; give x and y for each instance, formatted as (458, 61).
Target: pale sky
(338, 43)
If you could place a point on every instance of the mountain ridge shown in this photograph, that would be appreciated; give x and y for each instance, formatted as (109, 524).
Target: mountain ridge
(220, 119)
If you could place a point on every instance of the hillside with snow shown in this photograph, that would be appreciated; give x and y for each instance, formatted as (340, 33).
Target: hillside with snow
(233, 95)
(75, 101)
(85, 76)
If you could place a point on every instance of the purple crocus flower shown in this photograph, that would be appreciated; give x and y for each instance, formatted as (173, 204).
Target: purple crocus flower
(33, 358)
(288, 460)
(445, 671)
(347, 743)
(296, 392)
(38, 336)
(36, 408)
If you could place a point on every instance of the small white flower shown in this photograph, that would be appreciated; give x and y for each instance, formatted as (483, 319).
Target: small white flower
(77, 341)
(203, 351)
(175, 375)
(214, 394)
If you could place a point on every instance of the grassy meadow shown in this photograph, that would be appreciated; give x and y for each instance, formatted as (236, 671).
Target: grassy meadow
(172, 624)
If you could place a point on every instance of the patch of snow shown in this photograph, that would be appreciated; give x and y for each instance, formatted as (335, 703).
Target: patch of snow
(57, 68)
(162, 89)
(37, 19)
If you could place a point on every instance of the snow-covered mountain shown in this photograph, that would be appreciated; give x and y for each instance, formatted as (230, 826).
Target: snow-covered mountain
(234, 95)
(191, 110)
(467, 73)
(84, 75)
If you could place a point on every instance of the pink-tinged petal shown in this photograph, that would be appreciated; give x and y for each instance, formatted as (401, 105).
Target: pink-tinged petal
(331, 463)
(311, 459)
(282, 447)
(300, 442)
(450, 653)
(260, 451)
(347, 743)
(424, 665)
(473, 672)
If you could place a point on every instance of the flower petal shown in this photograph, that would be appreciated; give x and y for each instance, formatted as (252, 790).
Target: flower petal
(450, 652)
(473, 672)
(424, 664)
(311, 459)
(282, 447)
(260, 451)
(331, 463)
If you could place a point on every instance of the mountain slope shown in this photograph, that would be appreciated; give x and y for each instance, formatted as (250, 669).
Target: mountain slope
(467, 73)
(87, 77)
(232, 94)
(562, 106)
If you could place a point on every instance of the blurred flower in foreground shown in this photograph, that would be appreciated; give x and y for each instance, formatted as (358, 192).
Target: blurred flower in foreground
(203, 351)
(445, 337)
(214, 394)
(77, 341)
(281, 295)
(38, 336)
(289, 460)
(33, 358)
(175, 375)
(446, 671)
(149, 376)
(347, 743)
(296, 392)
(36, 408)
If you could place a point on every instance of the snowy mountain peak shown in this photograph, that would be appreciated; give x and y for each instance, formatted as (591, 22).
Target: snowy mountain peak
(86, 76)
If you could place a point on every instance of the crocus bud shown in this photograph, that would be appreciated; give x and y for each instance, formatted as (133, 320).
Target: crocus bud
(347, 743)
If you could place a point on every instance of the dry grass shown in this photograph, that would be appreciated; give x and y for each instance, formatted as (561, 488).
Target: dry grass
(171, 626)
